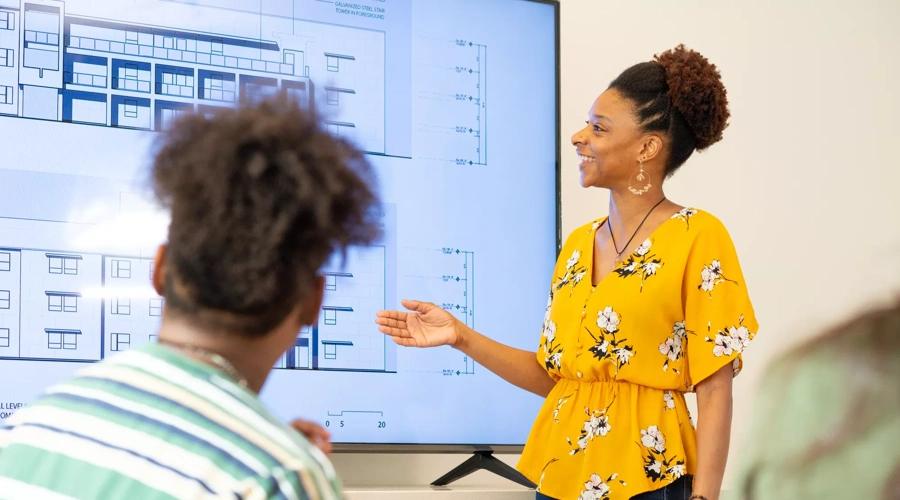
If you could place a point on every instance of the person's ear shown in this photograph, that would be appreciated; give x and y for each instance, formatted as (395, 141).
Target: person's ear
(650, 148)
(159, 271)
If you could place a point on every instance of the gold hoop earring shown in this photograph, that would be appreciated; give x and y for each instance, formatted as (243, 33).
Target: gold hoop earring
(640, 177)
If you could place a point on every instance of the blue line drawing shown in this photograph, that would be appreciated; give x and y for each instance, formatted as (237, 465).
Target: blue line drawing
(355, 412)
(331, 313)
(62, 339)
(120, 306)
(10, 286)
(7, 20)
(131, 76)
(63, 263)
(331, 347)
(120, 342)
(121, 269)
(345, 337)
(331, 280)
(156, 307)
(455, 101)
(446, 277)
(62, 301)
(6, 94)
(122, 73)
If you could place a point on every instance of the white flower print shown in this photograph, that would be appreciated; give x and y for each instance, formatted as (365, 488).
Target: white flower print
(644, 248)
(552, 353)
(549, 331)
(549, 306)
(574, 274)
(673, 347)
(731, 340)
(601, 350)
(740, 336)
(623, 354)
(608, 320)
(669, 399)
(607, 346)
(595, 488)
(653, 438)
(711, 275)
(596, 225)
(596, 425)
(656, 465)
(555, 360)
(559, 404)
(650, 268)
(573, 260)
(685, 215)
(676, 471)
(640, 263)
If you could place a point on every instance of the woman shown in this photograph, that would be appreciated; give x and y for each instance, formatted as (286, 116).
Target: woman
(629, 328)
(261, 197)
(828, 421)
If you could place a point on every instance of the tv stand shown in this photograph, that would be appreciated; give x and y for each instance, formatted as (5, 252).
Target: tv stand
(483, 460)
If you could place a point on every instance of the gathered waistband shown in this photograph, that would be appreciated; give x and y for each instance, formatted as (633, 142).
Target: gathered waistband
(614, 383)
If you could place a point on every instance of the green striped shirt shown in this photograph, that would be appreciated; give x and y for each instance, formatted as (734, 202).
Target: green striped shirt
(152, 424)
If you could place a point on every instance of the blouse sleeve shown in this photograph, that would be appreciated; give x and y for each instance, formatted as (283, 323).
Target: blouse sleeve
(549, 353)
(719, 317)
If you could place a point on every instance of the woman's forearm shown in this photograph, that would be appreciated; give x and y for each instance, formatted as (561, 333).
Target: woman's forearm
(714, 403)
(516, 366)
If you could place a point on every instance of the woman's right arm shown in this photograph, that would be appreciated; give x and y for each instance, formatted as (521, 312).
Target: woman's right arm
(430, 326)
(516, 366)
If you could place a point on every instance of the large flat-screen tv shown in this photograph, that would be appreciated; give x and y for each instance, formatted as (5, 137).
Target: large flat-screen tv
(455, 104)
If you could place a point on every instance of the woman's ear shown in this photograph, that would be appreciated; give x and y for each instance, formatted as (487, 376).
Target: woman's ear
(651, 148)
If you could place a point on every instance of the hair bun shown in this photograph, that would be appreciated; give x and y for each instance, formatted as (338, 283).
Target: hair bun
(696, 90)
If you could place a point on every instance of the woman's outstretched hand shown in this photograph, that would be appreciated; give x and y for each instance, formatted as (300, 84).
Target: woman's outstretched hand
(426, 326)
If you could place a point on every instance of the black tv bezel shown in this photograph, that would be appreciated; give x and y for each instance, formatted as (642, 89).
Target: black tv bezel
(436, 448)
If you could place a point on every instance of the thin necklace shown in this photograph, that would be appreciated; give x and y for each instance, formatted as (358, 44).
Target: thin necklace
(609, 227)
(216, 359)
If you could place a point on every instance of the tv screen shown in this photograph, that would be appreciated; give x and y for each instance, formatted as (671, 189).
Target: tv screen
(454, 103)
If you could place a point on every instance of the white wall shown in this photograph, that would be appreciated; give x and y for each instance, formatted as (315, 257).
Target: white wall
(806, 178)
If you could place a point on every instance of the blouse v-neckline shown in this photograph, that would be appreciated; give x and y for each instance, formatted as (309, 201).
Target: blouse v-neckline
(593, 236)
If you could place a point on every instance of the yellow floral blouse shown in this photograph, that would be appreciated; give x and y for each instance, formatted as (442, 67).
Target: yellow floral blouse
(625, 351)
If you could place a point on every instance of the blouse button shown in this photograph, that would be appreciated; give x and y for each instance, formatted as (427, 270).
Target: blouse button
(579, 374)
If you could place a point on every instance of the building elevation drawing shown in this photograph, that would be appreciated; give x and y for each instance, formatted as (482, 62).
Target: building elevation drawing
(45, 314)
(73, 61)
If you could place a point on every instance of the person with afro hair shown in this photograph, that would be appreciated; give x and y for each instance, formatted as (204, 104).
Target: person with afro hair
(261, 197)
(646, 304)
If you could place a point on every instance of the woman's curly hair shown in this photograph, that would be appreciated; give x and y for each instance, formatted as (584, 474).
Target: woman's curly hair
(680, 93)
